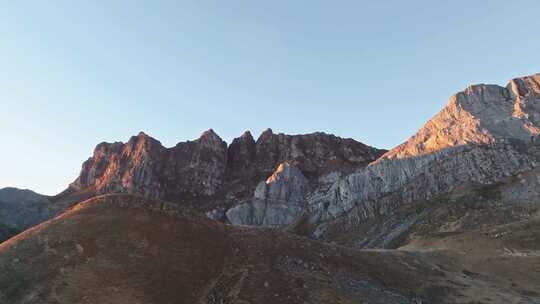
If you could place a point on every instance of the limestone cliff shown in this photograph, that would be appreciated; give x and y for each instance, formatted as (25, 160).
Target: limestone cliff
(144, 166)
(481, 114)
(276, 202)
(484, 134)
(208, 169)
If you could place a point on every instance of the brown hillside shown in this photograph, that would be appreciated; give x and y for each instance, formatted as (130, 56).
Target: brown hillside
(127, 249)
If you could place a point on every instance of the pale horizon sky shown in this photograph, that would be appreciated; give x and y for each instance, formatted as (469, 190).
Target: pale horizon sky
(76, 73)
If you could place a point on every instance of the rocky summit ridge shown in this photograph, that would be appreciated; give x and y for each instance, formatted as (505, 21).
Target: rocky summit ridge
(143, 165)
(480, 114)
(456, 205)
(207, 169)
(484, 134)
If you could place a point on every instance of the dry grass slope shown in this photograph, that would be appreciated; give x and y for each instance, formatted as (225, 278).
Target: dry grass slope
(127, 249)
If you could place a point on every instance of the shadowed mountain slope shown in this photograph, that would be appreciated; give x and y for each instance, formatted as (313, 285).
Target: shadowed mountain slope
(128, 249)
(20, 209)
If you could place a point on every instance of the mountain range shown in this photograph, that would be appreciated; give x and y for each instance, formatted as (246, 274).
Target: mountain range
(452, 215)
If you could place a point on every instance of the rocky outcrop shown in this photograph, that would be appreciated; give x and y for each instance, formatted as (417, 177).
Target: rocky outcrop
(481, 114)
(276, 202)
(204, 173)
(316, 157)
(484, 134)
(379, 189)
(314, 154)
(144, 166)
(251, 161)
(208, 168)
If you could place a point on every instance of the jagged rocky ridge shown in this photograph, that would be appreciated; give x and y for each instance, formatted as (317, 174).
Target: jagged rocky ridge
(207, 170)
(461, 197)
(204, 173)
(144, 166)
(484, 134)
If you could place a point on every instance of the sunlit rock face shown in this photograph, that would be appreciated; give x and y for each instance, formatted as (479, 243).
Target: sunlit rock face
(484, 134)
(481, 114)
(144, 166)
(207, 167)
(276, 202)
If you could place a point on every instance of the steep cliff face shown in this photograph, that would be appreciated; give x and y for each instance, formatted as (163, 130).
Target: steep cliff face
(251, 162)
(485, 134)
(276, 202)
(314, 154)
(467, 182)
(481, 114)
(207, 168)
(144, 166)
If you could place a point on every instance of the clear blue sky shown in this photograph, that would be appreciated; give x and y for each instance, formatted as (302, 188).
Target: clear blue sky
(75, 73)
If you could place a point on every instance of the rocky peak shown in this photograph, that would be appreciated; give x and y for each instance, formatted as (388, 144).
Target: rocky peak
(142, 135)
(105, 148)
(142, 146)
(205, 166)
(210, 139)
(143, 139)
(314, 154)
(265, 135)
(524, 86)
(480, 114)
(478, 138)
(143, 165)
(246, 137)
(241, 158)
